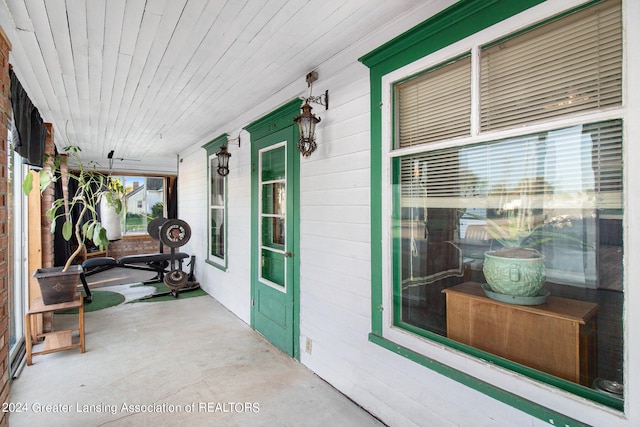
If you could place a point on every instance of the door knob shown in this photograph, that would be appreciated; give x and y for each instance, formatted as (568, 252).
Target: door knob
(288, 254)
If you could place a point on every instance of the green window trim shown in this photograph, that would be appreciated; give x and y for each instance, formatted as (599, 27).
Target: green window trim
(212, 148)
(453, 24)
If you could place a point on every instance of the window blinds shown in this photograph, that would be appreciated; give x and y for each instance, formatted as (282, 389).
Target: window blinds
(567, 66)
(578, 167)
(435, 105)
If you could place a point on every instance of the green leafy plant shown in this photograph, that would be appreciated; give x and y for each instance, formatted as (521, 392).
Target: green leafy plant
(92, 187)
(520, 228)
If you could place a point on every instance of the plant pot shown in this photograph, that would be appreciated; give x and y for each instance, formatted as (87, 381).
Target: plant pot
(110, 220)
(515, 276)
(57, 286)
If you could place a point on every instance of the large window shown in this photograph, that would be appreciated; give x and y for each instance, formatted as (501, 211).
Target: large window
(216, 193)
(515, 146)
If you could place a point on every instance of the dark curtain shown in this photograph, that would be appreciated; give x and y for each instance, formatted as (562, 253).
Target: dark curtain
(172, 198)
(30, 132)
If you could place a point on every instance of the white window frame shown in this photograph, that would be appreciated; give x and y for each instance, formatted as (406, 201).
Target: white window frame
(215, 260)
(538, 392)
(212, 147)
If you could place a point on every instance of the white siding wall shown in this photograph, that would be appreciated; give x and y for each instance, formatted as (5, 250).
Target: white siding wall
(231, 287)
(335, 253)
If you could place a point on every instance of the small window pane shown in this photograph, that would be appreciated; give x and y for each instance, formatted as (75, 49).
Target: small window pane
(217, 232)
(273, 164)
(566, 67)
(273, 232)
(274, 198)
(216, 185)
(435, 105)
(273, 266)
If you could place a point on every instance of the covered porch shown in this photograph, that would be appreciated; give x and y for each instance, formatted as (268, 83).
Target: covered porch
(327, 255)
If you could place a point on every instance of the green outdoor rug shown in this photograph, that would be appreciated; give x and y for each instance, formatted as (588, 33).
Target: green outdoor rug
(101, 299)
(106, 299)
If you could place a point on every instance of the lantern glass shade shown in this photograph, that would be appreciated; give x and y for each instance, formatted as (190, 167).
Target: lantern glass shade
(223, 161)
(307, 127)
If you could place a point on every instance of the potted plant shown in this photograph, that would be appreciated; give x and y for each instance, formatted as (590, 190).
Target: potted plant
(79, 218)
(517, 268)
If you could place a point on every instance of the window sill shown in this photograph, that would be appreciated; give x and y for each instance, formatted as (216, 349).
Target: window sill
(136, 236)
(216, 265)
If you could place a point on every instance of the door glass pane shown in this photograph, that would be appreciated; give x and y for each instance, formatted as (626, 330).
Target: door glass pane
(273, 232)
(273, 164)
(272, 267)
(273, 198)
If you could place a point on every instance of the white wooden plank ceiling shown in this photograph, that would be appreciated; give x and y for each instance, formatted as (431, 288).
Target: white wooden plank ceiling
(148, 78)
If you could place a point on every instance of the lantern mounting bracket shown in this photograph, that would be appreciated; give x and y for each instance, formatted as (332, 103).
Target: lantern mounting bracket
(320, 99)
(234, 141)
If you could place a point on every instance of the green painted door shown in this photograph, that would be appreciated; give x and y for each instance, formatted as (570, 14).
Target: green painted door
(274, 283)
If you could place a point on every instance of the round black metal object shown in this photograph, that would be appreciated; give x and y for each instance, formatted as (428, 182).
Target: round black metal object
(175, 279)
(175, 233)
(153, 228)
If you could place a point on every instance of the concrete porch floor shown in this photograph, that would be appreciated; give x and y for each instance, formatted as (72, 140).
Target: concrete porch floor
(187, 361)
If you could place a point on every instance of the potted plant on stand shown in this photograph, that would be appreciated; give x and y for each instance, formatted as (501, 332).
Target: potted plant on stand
(79, 218)
(516, 272)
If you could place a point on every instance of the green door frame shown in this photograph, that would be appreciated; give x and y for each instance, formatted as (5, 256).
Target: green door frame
(277, 120)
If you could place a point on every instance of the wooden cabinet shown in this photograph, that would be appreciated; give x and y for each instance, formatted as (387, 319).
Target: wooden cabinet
(557, 337)
(58, 340)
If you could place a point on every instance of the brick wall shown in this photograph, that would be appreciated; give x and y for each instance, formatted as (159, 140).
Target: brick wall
(5, 113)
(134, 245)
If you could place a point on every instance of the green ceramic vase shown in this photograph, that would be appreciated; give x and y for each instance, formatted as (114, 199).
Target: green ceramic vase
(515, 276)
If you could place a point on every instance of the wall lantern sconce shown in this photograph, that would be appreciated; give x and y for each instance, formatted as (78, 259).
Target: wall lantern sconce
(223, 156)
(307, 120)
